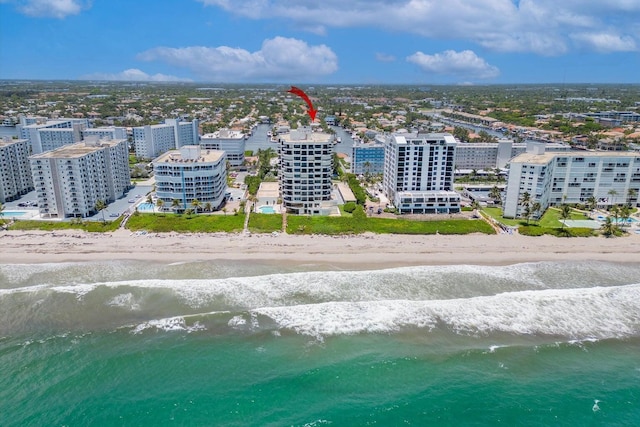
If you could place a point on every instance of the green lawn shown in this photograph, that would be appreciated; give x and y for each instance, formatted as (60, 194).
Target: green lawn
(91, 226)
(186, 224)
(356, 225)
(548, 224)
(264, 223)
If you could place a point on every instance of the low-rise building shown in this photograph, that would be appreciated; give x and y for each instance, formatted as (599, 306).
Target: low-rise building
(191, 173)
(70, 180)
(15, 172)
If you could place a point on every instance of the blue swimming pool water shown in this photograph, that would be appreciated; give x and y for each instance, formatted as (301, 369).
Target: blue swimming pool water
(11, 214)
(145, 207)
(266, 209)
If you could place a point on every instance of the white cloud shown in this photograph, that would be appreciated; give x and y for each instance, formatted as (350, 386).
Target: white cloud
(541, 26)
(460, 64)
(51, 8)
(383, 57)
(279, 58)
(134, 75)
(605, 42)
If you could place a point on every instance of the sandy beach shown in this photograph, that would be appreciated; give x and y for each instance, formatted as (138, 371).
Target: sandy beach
(366, 251)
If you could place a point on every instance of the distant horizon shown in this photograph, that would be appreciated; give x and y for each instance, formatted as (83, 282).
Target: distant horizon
(294, 83)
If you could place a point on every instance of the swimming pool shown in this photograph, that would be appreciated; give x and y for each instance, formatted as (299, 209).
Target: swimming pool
(266, 209)
(11, 214)
(146, 207)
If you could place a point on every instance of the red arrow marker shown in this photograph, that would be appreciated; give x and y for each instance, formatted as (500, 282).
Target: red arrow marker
(297, 91)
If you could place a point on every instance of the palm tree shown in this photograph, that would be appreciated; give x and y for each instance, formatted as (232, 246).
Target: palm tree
(100, 207)
(631, 195)
(495, 194)
(609, 228)
(196, 204)
(526, 212)
(188, 212)
(525, 200)
(615, 211)
(535, 209)
(160, 204)
(613, 193)
(565, 214)
(592, 203)
(1, 214)
(208, 207)
(224, 210)
(175, 204)
(149, 199)
(625, 213)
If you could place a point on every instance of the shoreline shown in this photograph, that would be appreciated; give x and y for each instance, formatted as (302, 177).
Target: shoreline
(344, 251)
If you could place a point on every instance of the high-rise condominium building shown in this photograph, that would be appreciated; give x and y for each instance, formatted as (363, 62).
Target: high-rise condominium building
(367, 158)
(556, 178)
(51, 134)
(305, 169)
(15, 172)
(186, 133)
(189, 174)
(419, 171)
(71, 179)
(152, 140)
(230, 141)
(109, 132)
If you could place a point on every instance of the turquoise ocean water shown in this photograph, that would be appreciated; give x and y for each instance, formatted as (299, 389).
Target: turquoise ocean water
(147, 344)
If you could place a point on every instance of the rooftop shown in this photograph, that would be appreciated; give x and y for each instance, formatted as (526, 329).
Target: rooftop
(176, 156)
(5, 142)
(80, 149)
(224, 134)
(306, 136)
(547, 157)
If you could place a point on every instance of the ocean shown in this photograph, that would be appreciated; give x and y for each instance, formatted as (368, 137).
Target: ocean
(235, 344)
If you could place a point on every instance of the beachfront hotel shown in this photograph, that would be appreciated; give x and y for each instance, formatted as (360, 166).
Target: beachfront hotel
(191, 173)
(231, 142)
(70, 180)
(152, 140)
(15, 172)
(304, 172)
(419, 171)
(557, 178)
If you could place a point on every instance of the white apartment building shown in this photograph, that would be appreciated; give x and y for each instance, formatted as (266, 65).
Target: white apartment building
(418, 175)
(231, 142)
(108, 132)
(15, 172)
(305, 169)
(51, 134)
(186, 133)
(557, 178)
(152, 140)
(191, 173)
(71, 179)
(490, 155)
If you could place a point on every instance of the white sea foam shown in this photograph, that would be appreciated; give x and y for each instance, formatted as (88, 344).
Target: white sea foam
(169, 324)
(125, 301)
(591, 313)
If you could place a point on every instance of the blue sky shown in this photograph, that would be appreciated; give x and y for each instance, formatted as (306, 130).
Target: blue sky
(330, 41)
